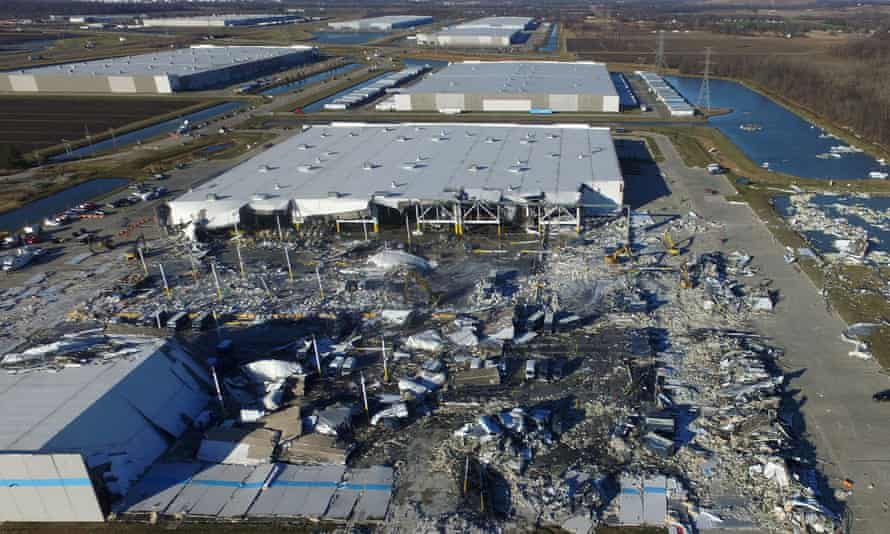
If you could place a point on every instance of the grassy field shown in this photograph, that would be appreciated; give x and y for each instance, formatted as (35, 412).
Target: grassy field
(46, 181)
(36, 122)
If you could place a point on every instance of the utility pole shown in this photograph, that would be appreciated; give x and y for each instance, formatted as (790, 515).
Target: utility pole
(216, 281)
(659, 54)
(704, 92)
(385, 364)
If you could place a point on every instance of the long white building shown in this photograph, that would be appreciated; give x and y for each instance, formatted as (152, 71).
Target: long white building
(488, 32)
(384, 24)
(524, 86)
(186, 69)
(220, 21)
(464, 174)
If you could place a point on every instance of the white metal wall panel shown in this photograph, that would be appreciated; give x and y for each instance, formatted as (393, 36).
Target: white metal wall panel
(450, 101)
(163, 84)
(611, 103)
(492, 104)
(122, 84)
(46, 488)
(23, 82)
(83, 498)
(403, 102)
(564, 102)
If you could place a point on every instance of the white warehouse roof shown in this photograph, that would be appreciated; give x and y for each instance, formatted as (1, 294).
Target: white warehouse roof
(518, 77)
(509, 23)
(180, 62)
(344, 167)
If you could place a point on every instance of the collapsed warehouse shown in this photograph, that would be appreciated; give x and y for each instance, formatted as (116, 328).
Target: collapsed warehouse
(457, 175)
(467, 384)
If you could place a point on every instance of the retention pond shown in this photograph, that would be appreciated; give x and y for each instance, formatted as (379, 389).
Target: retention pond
(777, 138)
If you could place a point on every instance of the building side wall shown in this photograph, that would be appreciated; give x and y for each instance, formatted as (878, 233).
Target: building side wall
(497, 101)
(60, 83)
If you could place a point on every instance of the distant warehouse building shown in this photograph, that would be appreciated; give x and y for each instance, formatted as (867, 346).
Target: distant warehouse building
(505, 23)
(220, 21)
(489, 32)
(470, 38)
(187, 69)
(382, 24)
(529, 86)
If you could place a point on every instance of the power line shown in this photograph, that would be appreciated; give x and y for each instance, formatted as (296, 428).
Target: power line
(659, 55)
(704, 92)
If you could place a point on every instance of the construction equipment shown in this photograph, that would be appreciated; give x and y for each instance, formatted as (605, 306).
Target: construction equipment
(412, 276)
(685, 280)
(615, 257)
(669, 246)
(99, 244)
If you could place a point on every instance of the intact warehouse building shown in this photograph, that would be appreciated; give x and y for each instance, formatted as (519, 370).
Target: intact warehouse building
(489, 32)
(186, 69)
(457, 175)
(220, 21)
(526, 86)
(383, 24)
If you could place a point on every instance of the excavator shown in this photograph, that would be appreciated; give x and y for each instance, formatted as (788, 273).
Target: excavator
(615, 257)
(685, 279)
(669, 246)
(412, 276)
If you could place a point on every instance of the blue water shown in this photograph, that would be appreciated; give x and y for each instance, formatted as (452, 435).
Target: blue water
(318, 105)
(347, 37)
(148, 132)
(787, 142)
(878, 234)
(552, 41)
(326, 75)
(431, 63)
(35, 212)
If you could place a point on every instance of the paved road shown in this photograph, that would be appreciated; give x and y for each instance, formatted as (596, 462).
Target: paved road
(849, 430)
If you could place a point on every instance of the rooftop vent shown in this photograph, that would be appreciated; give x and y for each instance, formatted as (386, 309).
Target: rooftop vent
(264, 168)
(491, 140)
(277, 186)
(259, 196)
(303, 147)
(212, 197)
(402, 139)
(308, 168)
(369, 166)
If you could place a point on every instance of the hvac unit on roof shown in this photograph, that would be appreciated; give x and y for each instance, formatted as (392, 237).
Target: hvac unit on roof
(212, 197)
(259, 196)
(369, 166)
(304, 146)
(402, 139)
(264, 168)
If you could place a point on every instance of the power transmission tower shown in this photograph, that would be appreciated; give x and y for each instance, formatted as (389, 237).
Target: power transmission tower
(704, 92)
(659, 54)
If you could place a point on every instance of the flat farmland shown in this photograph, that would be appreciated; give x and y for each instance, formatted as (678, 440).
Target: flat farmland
(35, 122)
(626, 44)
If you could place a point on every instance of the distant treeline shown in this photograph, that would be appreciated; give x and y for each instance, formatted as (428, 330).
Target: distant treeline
(848, 85)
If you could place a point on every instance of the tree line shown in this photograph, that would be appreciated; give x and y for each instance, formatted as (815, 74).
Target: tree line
(848, 85)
